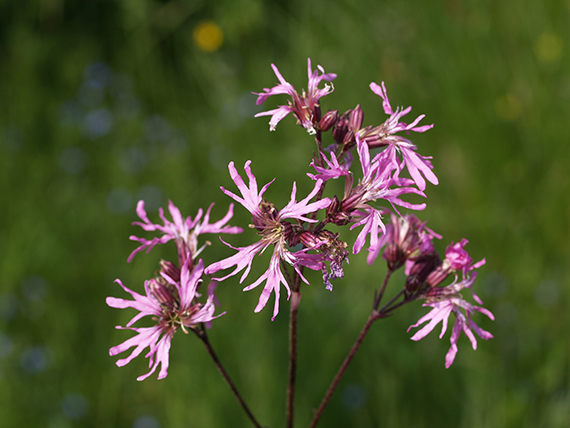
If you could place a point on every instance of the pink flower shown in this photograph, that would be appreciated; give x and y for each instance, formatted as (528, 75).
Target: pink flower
(172, 305)
(185, 232)
(270, 225)
(443, 306)
(406, 238)
(379, 178)
(384, 135)
(305, 107)
(333, 170)
(456, 258)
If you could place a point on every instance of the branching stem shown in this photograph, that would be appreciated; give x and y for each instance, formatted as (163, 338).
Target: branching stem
(374, 315)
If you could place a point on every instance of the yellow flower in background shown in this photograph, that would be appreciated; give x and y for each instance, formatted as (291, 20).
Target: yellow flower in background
(548, 47)
(208, 36)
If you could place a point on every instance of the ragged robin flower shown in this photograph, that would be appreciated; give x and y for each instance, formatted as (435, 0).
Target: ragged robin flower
(385, 135)
(304, 106)
(380, 181)
(172, 305)
(456, 260)
(445, 301)
(406, 239)
(271, 226)
(184, 231)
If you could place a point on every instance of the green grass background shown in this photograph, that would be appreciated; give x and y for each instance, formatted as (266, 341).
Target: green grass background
(494, 78)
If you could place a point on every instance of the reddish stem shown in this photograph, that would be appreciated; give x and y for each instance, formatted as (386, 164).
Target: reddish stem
(373, 317)
(295, 299)
(204, 338)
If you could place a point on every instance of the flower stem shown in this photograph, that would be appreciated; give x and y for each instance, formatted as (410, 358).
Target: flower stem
(373, 317)
(203, 336)
(378, 298)
(295, 299)
(387, 308)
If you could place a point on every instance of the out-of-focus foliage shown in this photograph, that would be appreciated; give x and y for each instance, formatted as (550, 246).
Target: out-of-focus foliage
(107, 102)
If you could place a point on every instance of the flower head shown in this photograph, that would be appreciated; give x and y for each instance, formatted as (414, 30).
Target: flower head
(333, 170)
(406, 239)
(380, 181)
(457, 258)
(445, 301)
(306, 106)
(270, 224)
(384, 135)
(172, 304)
(184, 231)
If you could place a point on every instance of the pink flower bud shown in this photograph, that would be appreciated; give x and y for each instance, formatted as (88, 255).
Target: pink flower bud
(328, 120)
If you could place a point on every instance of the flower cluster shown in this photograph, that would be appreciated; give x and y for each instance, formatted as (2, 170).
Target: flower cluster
(171, 297)
(302, 234)
(409, 242)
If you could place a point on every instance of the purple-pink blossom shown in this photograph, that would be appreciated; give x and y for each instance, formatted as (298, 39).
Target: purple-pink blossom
(405, 239)
(305, 106)
(446, 303)
(172, 305)
(269, 224)
(184, 231)
(380, 181)
(333, 170)
(457, 258)
(385, 135)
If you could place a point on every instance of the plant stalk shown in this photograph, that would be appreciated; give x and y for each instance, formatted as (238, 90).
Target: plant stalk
(373, 317)
(204, 338)
(295, 299)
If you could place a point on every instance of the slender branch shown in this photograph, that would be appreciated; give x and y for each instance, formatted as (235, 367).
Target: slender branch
(203, 336)
(295, 299)
(319, 141)
(385, 309)
(373, 317)
(319, 159)
(378, 298)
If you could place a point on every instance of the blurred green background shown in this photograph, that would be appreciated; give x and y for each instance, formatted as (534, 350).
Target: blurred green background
(107, 102)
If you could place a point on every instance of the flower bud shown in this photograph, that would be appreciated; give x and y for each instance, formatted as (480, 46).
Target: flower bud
(341, 127)
(170, 269)
(309, 239)
(328, 120)
(356, 118)
(349, 139)
(394, 255)
(420, 270)
(336, 215)
(437, 275)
